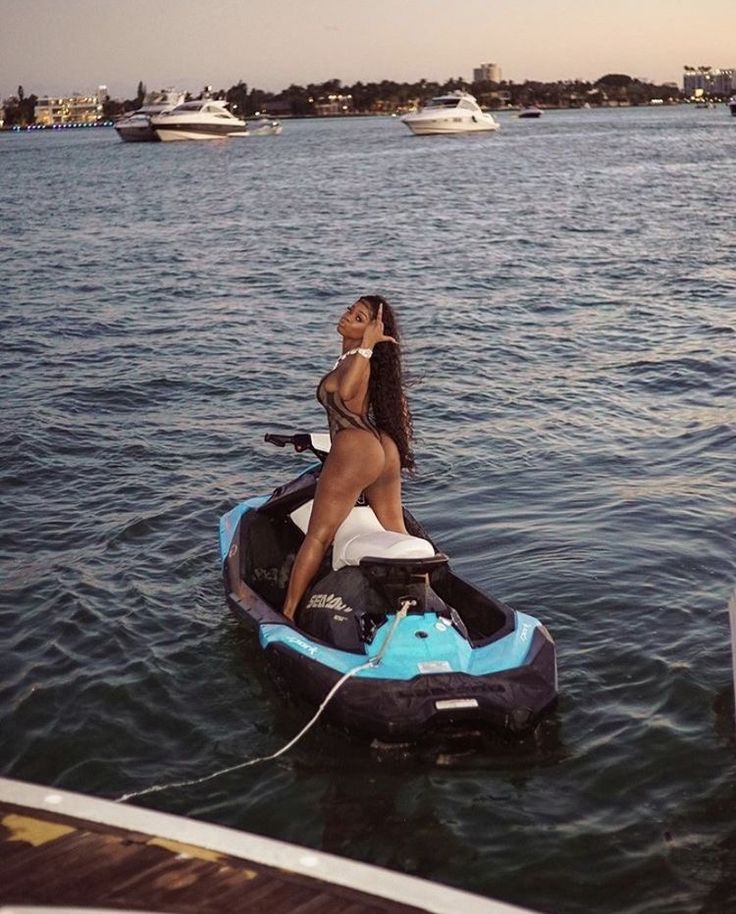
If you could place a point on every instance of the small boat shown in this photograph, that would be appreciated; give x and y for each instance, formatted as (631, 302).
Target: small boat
(530, 111)
(136, 126)
(264, 126)
(732, 105)
(399, 645)
(456, 112)
(203, 119)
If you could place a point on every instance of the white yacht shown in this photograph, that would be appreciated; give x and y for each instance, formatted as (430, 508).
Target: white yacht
(203, 119)
(136, 126)
(456, 112)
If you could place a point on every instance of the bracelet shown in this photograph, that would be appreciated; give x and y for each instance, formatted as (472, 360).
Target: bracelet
(366, 353)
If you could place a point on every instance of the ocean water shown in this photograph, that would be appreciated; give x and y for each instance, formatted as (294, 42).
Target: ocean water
(567, 295)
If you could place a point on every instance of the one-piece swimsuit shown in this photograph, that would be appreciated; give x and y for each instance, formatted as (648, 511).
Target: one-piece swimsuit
(339, 417)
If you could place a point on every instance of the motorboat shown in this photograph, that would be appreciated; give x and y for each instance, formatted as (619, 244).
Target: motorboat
(732, 105)
(263, 126)
(387, 640)
(456, 112)
(136, 126)
(201, 119)
(530, 111)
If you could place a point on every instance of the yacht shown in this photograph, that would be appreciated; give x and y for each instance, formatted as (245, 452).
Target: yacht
(456, 112)
(530, 111)
(203, 119)
(136, 126)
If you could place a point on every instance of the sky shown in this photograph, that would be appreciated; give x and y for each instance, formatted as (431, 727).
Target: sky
(59, 47)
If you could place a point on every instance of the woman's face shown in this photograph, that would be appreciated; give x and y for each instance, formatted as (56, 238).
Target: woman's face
(354, 321)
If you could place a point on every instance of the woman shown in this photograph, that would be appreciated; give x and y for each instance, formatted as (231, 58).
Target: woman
(371, 431)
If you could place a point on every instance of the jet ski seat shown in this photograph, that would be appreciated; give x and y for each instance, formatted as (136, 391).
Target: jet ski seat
(361, 536)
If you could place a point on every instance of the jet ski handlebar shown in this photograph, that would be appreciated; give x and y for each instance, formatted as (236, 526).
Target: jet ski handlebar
(301, 441)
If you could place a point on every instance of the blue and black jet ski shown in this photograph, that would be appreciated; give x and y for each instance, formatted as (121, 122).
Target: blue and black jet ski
(434, 652)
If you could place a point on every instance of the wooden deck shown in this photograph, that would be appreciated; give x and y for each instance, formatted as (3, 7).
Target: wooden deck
(64, 849)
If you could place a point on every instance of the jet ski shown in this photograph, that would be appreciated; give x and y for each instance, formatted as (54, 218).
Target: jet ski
(407, 647)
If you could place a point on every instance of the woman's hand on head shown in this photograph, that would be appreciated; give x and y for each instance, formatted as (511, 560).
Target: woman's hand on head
(374, 334)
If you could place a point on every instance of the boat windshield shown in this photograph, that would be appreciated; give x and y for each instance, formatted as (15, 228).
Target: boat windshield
(443, 103)
(216, 111)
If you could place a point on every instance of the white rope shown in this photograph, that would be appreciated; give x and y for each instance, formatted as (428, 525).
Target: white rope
(373, 662)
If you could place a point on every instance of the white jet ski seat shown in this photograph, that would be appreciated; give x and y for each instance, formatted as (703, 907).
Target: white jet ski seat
(361, 535)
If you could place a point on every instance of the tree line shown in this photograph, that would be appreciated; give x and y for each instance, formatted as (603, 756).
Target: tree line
(388, 96)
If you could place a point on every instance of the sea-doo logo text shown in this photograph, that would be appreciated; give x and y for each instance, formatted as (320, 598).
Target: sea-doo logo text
(328, 601)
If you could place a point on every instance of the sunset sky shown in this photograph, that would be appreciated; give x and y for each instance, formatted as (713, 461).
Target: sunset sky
(62, 46)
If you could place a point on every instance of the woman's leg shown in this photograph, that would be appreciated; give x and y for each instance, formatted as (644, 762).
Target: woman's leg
(355, 460)
(384, 495)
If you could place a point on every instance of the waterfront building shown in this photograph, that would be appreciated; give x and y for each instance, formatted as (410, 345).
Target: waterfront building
(74, 109)
(487, 73)
(708, 81)
(334, 104)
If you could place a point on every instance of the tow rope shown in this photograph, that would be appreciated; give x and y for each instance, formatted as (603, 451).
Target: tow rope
(369, 664)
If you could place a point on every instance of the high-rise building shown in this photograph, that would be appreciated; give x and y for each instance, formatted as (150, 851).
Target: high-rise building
(708, 81)
(487, 72)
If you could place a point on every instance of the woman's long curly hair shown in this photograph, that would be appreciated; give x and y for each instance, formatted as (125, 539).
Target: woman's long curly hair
(387, 403)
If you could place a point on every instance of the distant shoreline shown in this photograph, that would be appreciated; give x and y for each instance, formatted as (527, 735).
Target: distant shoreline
(511, 109)
(33, 127)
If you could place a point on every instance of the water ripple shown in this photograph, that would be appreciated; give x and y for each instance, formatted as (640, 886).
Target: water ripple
(569, 337)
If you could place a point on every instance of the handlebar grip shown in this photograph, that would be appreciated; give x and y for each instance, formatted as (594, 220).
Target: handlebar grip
(300, 441)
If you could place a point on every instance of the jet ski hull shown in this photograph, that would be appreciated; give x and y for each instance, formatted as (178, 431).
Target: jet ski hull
(460, 658)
